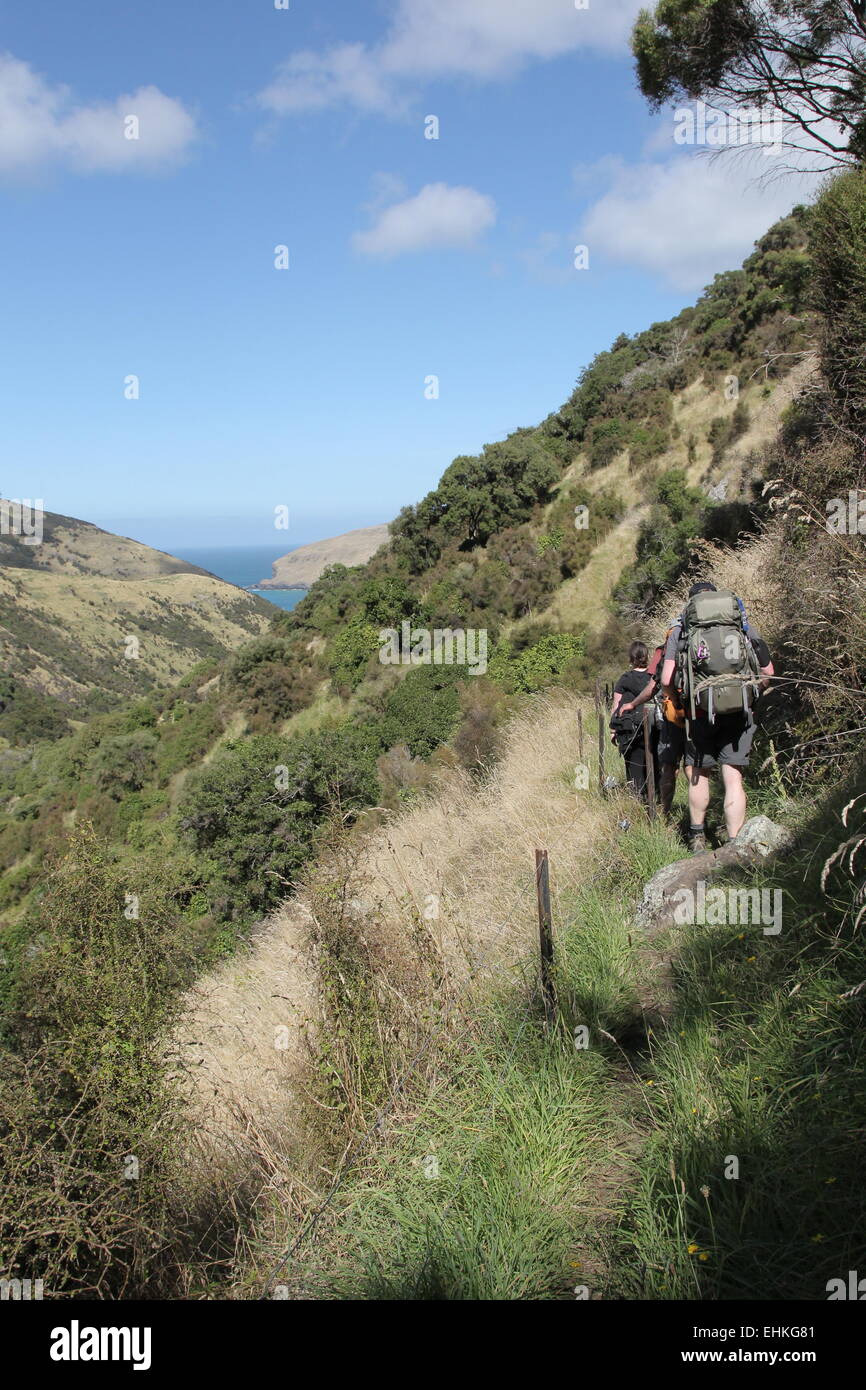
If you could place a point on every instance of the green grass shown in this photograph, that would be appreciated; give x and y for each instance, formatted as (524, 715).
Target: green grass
(717, 1158)
(530, 1134)
(482, 1193)
(749, 1185)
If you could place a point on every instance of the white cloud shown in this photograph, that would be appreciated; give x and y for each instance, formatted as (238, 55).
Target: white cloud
(310, 81)
(386, 189)
(549, 259)
(445, 38)
(691, 216)
(439, 215)
(40, 123)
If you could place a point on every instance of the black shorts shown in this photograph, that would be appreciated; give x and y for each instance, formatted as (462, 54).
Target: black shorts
(725, 742)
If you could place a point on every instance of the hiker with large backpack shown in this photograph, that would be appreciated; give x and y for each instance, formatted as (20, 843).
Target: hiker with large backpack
(626, 722)
(717, 664)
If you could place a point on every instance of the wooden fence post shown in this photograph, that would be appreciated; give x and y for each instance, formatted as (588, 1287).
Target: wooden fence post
(580, 734)
(648, 759)
(601, 737)
(545, 931)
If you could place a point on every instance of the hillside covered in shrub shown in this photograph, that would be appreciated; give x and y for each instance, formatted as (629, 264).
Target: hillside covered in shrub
(158, 842)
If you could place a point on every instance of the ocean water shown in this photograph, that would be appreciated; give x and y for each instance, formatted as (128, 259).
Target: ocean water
(244, 565)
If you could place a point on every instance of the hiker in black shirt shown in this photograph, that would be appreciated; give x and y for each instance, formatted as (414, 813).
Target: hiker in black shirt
(626, 722)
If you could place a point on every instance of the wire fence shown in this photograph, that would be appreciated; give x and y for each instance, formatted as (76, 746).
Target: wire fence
(359, 1147)
(375, 1128)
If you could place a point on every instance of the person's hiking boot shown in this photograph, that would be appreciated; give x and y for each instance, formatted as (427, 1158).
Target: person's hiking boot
(697, 842)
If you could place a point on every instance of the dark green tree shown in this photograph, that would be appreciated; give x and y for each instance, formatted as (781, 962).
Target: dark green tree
(839, 259)
(423, 709)
(805, 58)
(253, 811)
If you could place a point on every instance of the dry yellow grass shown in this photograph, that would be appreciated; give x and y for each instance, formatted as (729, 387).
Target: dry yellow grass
(470, 847)
(750, 571)
(695, 408)
(98, 613)
(615, 476)
(302, 567)
(241, 1044)
(71, 547)
(236, 726)
(324, 708)
(583, 601)
(695, 415)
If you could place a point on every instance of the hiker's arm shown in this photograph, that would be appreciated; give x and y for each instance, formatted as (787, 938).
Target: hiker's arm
(641, 699)
(667, 677)
(617, 697)
(762, 653)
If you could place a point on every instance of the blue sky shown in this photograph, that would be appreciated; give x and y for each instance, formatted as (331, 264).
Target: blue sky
(408, 257)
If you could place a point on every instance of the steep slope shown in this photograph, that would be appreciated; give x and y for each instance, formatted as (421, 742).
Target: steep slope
(65, 545)
(466, 851)
(394, 1000)
(87, 616)
(458, 867)
(586, 598)
(350, 910)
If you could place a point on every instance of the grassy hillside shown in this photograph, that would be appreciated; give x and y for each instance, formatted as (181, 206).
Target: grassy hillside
(554, 544)
(402, 984)
(71, 547)
(297, 884)
(605, 1169)
(88, 618)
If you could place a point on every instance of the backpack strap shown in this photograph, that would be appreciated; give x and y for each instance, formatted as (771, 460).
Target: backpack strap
(691, 676)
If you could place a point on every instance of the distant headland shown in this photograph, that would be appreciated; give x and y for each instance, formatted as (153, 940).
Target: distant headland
(302, 567)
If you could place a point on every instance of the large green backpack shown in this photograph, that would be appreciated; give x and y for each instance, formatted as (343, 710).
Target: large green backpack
(717, 664)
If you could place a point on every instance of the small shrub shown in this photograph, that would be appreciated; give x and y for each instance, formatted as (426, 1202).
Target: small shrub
(254, 810)
(86, 1109)
(423, 709)
(553, 657)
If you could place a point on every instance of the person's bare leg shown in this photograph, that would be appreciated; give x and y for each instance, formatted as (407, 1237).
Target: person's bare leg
(735, 799)
(699, 795)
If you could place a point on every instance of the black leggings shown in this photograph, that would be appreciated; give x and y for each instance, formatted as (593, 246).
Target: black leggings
(635, 767)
